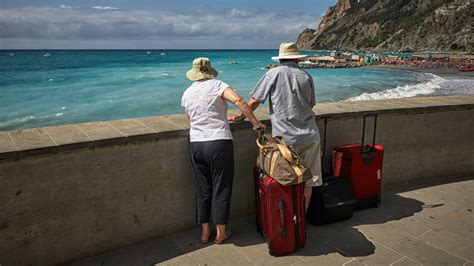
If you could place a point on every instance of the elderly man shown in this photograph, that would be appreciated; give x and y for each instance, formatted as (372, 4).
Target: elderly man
(291, 94)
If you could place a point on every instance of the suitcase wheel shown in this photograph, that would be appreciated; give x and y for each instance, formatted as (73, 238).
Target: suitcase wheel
(269, 244)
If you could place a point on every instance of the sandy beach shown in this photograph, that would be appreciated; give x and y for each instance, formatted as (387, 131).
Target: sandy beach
(443, 71)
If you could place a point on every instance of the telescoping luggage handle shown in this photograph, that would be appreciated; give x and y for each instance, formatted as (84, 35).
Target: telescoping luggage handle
(281, 206)
(324, 146)
(367, 151)
(260, 138)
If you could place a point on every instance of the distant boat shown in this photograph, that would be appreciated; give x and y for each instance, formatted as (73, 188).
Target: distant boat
(11, 54)
(163, 53)
(148, 52)
(47, 55)
(233, 63)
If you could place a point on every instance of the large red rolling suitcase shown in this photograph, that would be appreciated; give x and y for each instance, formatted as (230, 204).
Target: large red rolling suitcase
(362, 166)
(280, 214)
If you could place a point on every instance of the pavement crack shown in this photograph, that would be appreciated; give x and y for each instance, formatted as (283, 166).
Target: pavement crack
(403, 257)
(423, 234)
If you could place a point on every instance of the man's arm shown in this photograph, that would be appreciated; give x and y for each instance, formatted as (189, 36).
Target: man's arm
(261, 92)
(230, 95)
(252, 103)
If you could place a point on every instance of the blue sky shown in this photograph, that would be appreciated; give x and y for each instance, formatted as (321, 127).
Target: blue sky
(155, 24)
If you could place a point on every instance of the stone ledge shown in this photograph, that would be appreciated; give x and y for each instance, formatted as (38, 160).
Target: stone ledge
(16, 145)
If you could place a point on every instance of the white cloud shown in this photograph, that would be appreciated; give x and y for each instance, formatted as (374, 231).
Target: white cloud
(66, 7)
(234, 12)
(39, 23)
(105, 8)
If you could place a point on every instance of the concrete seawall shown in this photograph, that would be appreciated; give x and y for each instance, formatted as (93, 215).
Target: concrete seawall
(77, 190)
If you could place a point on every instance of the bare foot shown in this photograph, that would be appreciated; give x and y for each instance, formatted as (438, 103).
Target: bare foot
(205, 233)
(221, 234)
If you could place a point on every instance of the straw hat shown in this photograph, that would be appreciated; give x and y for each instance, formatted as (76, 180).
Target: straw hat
(288, 51)
(201, 70)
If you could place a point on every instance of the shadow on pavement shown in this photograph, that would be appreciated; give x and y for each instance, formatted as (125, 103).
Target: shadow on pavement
(343, 238)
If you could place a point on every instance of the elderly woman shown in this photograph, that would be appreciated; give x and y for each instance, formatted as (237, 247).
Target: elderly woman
(211, 146)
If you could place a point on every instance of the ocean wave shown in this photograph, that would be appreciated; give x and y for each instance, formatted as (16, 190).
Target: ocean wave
(19, 122)
(152, 75)
(456, 86)
(429, 86)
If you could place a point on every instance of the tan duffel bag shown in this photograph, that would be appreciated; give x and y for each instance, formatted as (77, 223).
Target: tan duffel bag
(280, 162)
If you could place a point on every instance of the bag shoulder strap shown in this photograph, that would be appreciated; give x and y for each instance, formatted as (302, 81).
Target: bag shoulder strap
(284, 151)
(288, 155)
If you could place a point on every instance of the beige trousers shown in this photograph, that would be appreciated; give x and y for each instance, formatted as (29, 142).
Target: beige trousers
(311, 155)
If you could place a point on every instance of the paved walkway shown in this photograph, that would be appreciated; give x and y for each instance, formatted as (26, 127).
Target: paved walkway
(430, 223)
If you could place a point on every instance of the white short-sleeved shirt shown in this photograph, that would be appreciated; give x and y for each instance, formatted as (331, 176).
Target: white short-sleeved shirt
(207, 111)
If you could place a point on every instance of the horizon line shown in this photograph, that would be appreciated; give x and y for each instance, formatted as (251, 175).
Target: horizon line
(131, 49)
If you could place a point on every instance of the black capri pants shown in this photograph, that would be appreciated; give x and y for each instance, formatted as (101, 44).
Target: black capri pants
(213, 170)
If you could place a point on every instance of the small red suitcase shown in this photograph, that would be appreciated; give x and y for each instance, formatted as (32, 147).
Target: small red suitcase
(280, 214)
(362, 166)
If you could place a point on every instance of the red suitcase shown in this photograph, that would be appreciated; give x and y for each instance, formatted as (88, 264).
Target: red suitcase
(362, 166)
(280, 214)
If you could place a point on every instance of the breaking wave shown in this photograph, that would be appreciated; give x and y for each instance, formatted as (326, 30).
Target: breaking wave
(19, 122)
(152, 75)
(428, 86)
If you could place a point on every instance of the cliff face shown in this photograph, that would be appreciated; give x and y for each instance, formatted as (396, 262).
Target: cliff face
(434, 25)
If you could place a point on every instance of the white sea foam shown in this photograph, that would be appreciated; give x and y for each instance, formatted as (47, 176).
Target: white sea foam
(428, 86)
(455, 85)
(18, 122)
(152, 75)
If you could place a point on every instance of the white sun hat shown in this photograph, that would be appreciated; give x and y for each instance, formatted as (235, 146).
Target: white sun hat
(288, 51)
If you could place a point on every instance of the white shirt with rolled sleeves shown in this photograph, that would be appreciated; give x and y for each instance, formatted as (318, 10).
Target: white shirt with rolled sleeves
(207, 110)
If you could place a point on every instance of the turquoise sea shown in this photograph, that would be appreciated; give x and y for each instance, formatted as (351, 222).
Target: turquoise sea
(50, 87)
